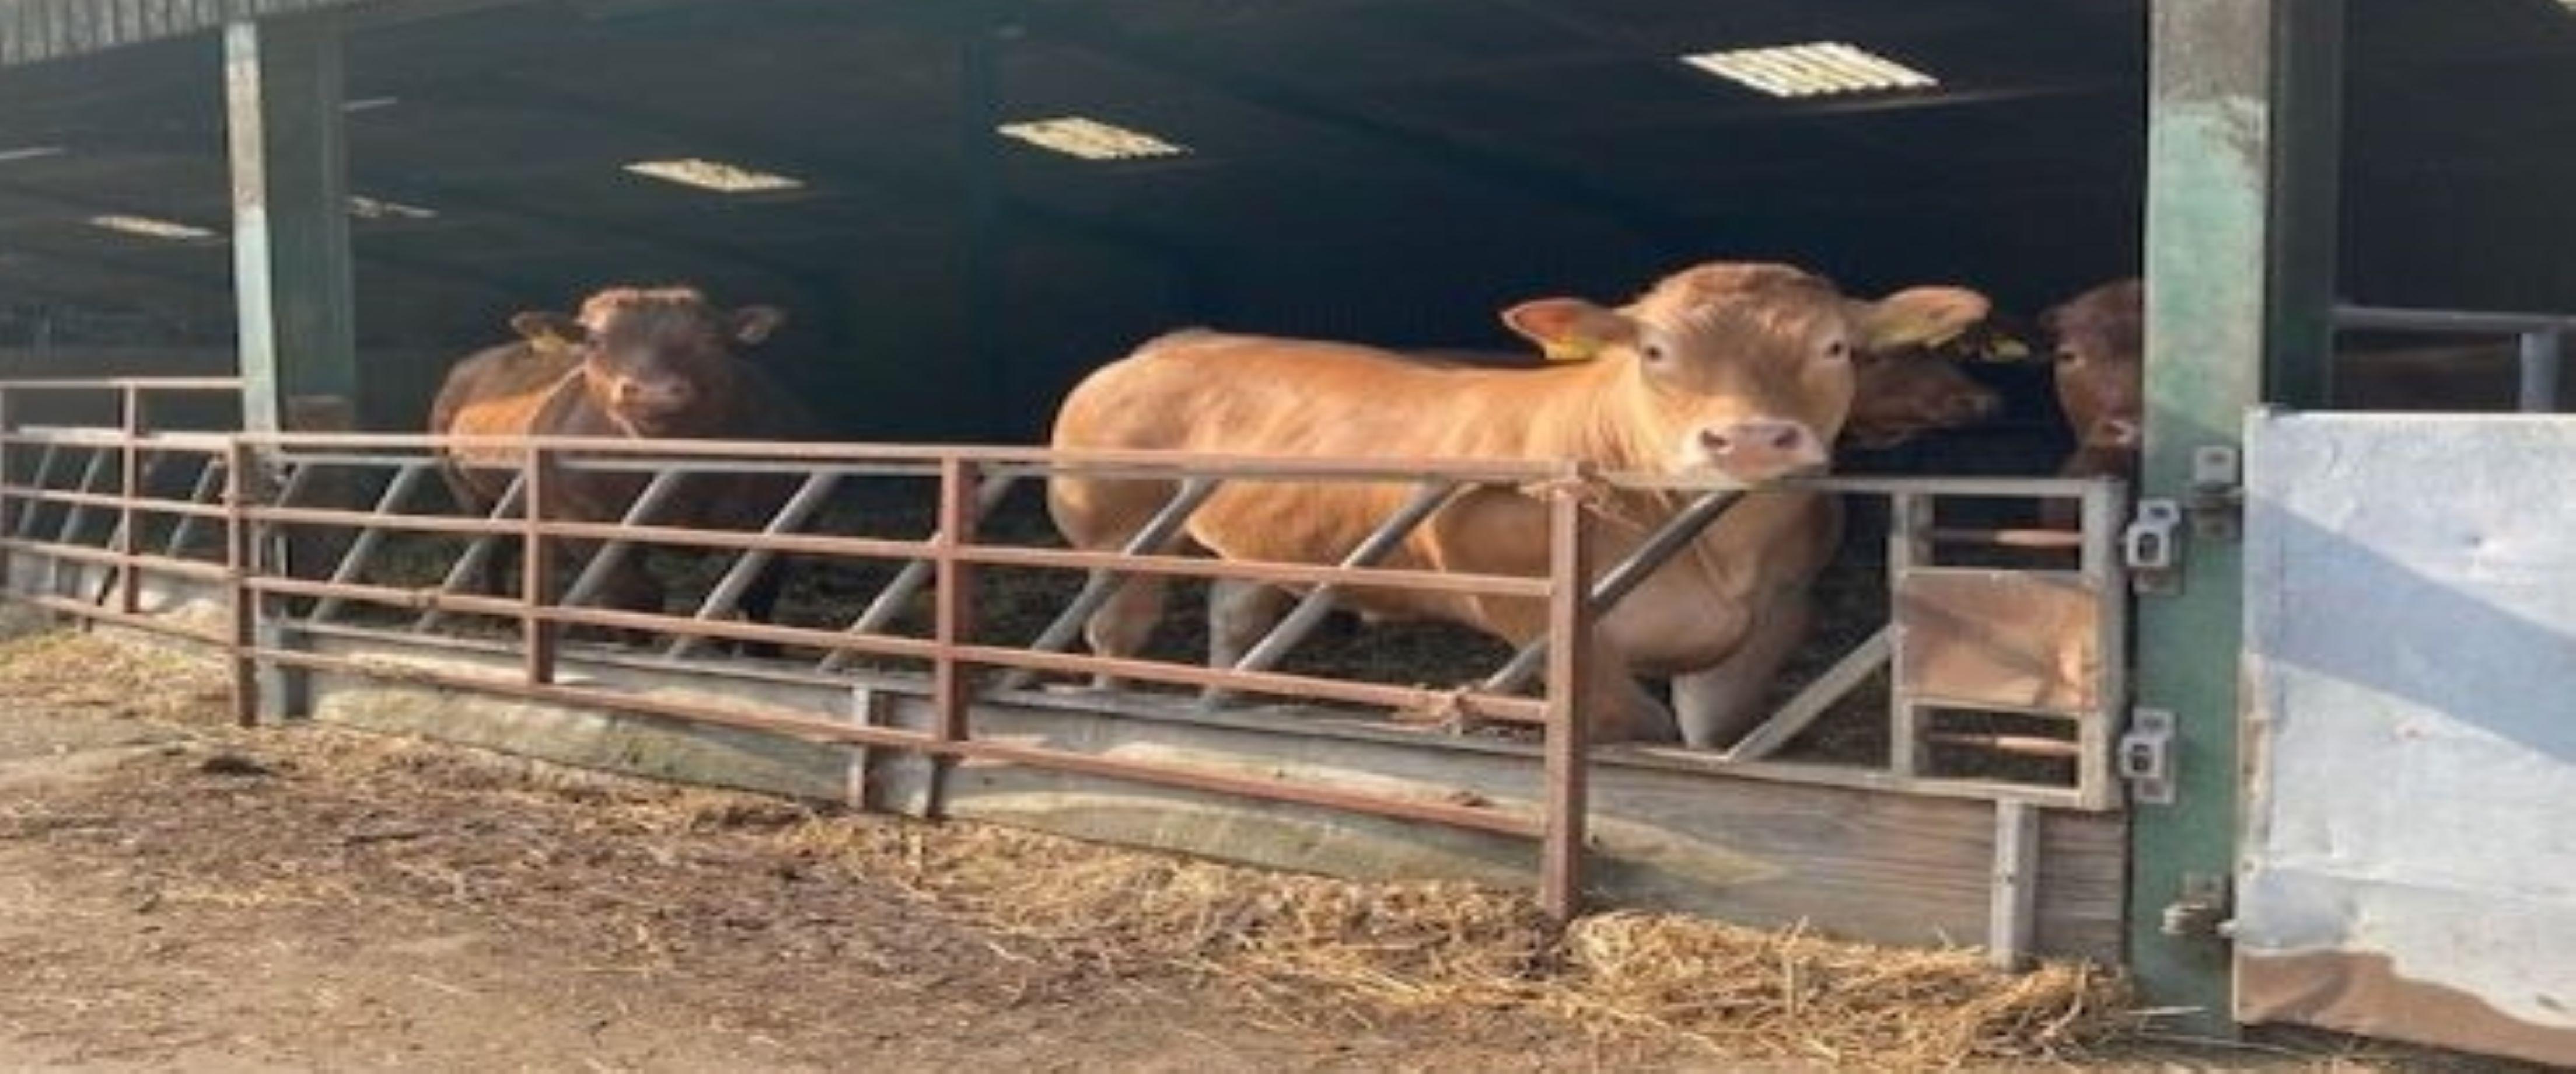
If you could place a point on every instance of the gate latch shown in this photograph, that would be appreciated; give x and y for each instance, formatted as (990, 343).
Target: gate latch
(2148, 547)
(2146, 756)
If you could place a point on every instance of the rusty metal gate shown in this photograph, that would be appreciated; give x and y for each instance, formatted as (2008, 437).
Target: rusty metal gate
(1998, 642)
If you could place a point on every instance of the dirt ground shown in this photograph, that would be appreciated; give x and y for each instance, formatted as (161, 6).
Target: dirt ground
(177, 895)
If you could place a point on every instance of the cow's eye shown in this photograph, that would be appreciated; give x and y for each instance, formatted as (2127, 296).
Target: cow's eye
(1654, 352)
(1838, 350)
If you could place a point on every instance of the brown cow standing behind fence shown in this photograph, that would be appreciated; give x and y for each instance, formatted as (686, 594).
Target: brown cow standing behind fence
(634, 363)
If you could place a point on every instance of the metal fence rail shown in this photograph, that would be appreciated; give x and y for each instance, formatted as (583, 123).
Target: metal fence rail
(2537, 338)
(270, 497)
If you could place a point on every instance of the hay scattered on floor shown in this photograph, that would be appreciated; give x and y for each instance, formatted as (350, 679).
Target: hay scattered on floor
(131, 679)
(1304, 949)
(1351, 951)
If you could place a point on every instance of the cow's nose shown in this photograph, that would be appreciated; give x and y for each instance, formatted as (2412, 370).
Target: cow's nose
(660, 395)
(1762, 448)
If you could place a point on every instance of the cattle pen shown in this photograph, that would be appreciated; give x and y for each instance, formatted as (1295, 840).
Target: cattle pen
(2278, 723)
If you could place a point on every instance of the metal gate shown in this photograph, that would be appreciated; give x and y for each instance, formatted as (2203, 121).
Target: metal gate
(2409, 861)
(2000, 649)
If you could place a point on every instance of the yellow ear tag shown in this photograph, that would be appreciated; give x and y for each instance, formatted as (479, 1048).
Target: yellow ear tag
(2008, 350)
(1577, 350)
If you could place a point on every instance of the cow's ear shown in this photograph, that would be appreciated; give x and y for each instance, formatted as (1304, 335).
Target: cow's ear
(545, 328)
(755, 324)
(1921, 317)
(1569, 329)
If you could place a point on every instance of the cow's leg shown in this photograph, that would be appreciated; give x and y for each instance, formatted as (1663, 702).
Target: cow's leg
(1718, 704)
(1620, 708)
(1239, 613)
(1123, 625)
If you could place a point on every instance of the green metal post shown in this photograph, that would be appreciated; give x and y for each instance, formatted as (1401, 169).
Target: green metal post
(283, 87)
(291, 260)
(2240, 260)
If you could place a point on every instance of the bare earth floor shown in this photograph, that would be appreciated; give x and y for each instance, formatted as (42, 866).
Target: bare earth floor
(176, 895)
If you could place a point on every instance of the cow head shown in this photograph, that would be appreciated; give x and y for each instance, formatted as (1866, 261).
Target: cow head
(2100, 339)
(659, 361)
(1742, 370)
(1905, 392)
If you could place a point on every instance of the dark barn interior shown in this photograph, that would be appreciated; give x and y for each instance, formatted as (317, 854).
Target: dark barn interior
(1392, 171)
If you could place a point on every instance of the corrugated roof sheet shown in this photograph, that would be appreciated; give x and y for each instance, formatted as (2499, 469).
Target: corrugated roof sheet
(33, 30)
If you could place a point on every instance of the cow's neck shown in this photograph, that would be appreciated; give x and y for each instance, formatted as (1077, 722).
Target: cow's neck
(1585, 412)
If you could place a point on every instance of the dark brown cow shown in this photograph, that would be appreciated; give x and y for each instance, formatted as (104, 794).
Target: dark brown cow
(2100, 337)
(2101, 377)
(633, 364)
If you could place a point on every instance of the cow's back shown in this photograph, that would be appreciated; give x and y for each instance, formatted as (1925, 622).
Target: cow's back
(1212, 392)
(502, 391)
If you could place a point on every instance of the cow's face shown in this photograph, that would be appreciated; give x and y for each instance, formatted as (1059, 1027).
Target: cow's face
(2100, 342)
(1743, 371)
(1905, 393)
(657, 361)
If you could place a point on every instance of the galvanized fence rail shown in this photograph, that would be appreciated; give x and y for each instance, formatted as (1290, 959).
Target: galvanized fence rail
(269, 496)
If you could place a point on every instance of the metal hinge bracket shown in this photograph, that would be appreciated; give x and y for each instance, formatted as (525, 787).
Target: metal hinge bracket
(2204, 910)
(2146, 756)
(2150, 547)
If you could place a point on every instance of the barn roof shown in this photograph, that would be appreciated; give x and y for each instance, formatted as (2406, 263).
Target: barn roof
(34, 30)
(1405, 128)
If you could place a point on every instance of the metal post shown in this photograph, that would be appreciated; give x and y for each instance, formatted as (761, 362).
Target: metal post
(283, 82)
(952, 681)
(2539, 381)
(8, 506)
(1301, 620)
(890, 601)
(1676, 534)
(240, 564)
(129, 537)
(2226, 195)
(538, 575)
(1909, 523)
(2012, 906)
(2304, 200)
(2096, 781)
(1570, 617)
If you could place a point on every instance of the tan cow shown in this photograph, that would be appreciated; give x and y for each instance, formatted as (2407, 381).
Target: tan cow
(1898, 395)
(1740, 370)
